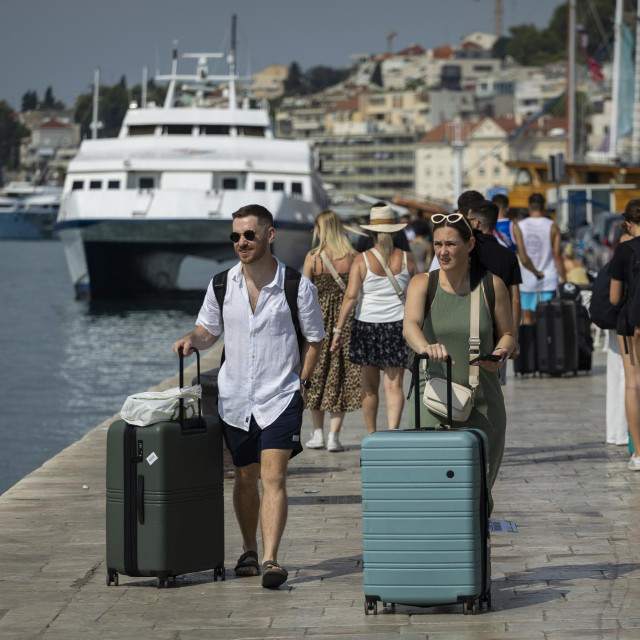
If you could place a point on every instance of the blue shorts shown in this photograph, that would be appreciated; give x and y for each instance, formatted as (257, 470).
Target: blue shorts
(529, 299)
(246, 446)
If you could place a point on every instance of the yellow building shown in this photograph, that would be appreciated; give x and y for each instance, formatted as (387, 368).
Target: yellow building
(269, 82)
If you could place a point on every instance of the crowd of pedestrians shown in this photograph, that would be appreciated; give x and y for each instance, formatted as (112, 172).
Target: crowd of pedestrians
(456, 287)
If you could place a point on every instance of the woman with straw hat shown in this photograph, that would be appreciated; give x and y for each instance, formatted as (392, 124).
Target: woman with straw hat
(378, 282)
(335, 382)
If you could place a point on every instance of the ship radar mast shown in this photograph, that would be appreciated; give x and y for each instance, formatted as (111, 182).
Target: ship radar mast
(201, 78)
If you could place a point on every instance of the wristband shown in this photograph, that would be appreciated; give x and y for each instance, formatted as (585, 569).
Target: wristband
(336, 330)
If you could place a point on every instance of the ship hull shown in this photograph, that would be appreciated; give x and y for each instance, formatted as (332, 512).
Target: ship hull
(116, 259)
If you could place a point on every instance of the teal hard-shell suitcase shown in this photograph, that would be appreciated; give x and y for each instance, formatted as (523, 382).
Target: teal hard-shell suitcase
(425, 517)
(165, 503)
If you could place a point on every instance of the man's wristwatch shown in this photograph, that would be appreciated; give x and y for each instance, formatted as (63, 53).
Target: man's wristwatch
(305, 382)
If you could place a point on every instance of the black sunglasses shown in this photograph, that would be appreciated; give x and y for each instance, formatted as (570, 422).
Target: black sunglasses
(248, 235)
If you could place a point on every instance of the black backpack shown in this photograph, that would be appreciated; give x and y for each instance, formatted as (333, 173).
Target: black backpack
(603, 314)
(291, 284)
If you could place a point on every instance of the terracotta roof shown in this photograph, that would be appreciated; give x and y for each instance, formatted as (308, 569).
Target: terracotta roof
(443, 52)
(54, 124)
(351, 104)
(469, 44)
(413, 50)
(444, 131)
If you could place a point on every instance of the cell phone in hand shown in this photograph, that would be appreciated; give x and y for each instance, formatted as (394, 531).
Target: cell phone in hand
(486, 356)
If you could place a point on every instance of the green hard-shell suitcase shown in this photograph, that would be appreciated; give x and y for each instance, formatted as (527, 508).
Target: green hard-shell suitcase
(425, 515)
(165, 504)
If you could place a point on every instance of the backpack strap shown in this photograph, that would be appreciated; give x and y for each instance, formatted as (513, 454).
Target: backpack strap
(219, 291)
(291, 284)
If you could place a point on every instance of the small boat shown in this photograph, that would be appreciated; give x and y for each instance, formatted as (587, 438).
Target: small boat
(29, 212)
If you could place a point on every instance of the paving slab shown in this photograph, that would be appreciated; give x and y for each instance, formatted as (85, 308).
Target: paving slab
(571, 571)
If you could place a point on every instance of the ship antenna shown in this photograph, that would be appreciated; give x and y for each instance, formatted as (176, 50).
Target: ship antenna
(168, 101)
(232, 64)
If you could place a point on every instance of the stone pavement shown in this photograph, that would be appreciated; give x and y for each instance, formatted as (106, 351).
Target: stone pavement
(572, 571)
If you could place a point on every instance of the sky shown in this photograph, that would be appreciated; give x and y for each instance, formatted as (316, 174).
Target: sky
(61, 42)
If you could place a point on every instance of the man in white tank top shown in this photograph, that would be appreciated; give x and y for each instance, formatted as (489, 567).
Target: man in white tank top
(542, 243)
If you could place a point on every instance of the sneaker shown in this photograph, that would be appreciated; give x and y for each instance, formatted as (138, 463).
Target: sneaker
(634, 463)
(317, 440)
(334, 443)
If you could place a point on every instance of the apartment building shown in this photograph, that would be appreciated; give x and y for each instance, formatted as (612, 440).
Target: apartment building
(269, 82)
(378, 164)
(485, 152)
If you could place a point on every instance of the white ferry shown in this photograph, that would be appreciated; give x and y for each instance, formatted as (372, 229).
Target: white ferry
(135, 206)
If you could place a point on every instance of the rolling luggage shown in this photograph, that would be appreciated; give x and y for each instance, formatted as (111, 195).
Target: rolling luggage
(165, 511)
(557, 337)
(570, 291)
(526, 360)
(425, 515)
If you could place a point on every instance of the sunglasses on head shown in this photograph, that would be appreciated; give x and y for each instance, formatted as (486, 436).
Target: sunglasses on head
(454, 217)
(249, 235)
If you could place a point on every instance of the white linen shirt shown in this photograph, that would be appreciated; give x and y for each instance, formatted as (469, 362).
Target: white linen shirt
(261, 371)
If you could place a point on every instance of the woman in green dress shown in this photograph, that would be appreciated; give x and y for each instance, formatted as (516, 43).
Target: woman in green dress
(446, 329)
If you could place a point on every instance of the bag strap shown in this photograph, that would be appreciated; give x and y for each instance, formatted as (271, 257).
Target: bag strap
(390, 275)
(332, 271)
(292, 279)
(219, 291)
(474, 339)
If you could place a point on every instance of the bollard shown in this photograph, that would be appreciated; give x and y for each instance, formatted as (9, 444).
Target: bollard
(209, 382)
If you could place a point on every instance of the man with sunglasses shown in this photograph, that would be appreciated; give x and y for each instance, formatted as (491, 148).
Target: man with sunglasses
(262, 382)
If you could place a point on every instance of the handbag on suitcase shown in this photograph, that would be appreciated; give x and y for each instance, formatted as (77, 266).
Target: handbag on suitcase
(557, 337)
(425, 515)
(165, 508)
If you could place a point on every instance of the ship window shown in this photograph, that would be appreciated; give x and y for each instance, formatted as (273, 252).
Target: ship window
(177, 130)
(215, 130)
(95, 184)
(77, 184)
(260, 185)
(278, 186)
(256, 132)
(114, 184)
(230, 183)
(142, 130)
(146, 183)
(296, 187)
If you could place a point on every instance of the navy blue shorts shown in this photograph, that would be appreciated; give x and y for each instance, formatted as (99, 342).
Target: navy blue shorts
(246, 446)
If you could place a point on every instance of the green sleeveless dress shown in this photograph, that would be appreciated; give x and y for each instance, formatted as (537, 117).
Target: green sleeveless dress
(448, 324)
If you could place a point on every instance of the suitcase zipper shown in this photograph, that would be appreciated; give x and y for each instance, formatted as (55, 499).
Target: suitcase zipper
(132, 455)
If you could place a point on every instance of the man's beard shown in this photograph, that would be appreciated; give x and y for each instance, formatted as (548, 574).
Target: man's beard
(258, 252)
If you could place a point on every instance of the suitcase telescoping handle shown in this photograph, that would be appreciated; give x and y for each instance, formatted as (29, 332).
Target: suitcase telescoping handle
(416, 393)
(181, 355)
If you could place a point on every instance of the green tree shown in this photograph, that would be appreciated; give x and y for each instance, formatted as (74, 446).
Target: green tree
(321, 77)
(11, 133)
(49, 101)
(294, 82)
(29, 101)
(376, 76)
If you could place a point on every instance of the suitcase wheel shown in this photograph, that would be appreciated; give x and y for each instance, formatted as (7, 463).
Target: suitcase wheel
(390, 605)
(112, 578)
(469, 608)
(218, 572)
(370, 606)
(166, 581)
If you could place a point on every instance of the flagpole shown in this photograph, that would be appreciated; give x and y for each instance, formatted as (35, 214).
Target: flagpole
(615, 85)
(571, 83)
(635, 139)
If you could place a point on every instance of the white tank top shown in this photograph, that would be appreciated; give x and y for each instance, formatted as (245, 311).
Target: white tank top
(536, 235)
(379, 301)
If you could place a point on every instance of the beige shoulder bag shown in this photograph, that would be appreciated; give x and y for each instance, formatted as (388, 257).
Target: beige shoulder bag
(390, 275)
(332, 270)
(462, 398)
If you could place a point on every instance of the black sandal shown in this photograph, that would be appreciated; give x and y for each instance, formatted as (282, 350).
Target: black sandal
(273, 575)
(247, 565)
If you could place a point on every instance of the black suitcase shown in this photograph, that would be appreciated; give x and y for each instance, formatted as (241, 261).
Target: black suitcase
(526, 361)
(557, 337)
(165, 510)
(570, 291)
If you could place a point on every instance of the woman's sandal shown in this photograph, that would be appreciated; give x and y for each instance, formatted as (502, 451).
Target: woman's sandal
(247, 565)
(273, 575)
